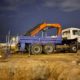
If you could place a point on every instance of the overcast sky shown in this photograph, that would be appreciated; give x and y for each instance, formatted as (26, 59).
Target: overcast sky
(18, 16)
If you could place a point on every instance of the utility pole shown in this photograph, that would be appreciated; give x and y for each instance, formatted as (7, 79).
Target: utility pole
(8, 44)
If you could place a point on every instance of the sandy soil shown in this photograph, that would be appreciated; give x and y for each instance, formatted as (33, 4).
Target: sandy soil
(58, 66)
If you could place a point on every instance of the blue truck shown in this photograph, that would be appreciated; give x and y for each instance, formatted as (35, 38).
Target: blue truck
(45, 44)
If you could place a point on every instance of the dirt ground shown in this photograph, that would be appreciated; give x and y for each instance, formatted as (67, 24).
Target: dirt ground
(56, 66)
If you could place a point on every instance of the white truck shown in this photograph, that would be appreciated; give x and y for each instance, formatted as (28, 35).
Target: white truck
(72, 36)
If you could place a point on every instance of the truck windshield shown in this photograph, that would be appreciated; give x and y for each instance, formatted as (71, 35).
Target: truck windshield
(76, 32)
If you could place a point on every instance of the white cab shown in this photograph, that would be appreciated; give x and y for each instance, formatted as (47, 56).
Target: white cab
(71, 33)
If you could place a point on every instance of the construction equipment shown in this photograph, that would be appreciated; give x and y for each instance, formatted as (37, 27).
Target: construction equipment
(47, 44)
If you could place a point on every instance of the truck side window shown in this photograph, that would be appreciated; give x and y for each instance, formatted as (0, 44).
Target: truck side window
(66, 32)
(75, 32)
(79, 32)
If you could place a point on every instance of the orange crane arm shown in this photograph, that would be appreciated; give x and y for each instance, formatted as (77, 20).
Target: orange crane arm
(44, 25)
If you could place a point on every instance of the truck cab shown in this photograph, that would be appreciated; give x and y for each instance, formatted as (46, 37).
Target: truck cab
(71, 34)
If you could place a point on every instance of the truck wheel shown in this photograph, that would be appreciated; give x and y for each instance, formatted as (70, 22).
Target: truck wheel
(36, 49)
(73, 48)
(48, 48)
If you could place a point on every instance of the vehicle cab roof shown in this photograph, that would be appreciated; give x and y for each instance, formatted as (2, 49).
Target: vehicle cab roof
(71, 28)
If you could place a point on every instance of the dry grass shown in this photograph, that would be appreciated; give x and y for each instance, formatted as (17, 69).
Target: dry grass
(70, 74)
(33, 70)
(40, 67)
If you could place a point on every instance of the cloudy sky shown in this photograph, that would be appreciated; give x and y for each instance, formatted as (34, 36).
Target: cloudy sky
(18, 16)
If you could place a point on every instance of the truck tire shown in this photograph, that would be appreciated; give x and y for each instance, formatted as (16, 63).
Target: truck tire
(36, 49)
(73, 48)
(48, 48)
